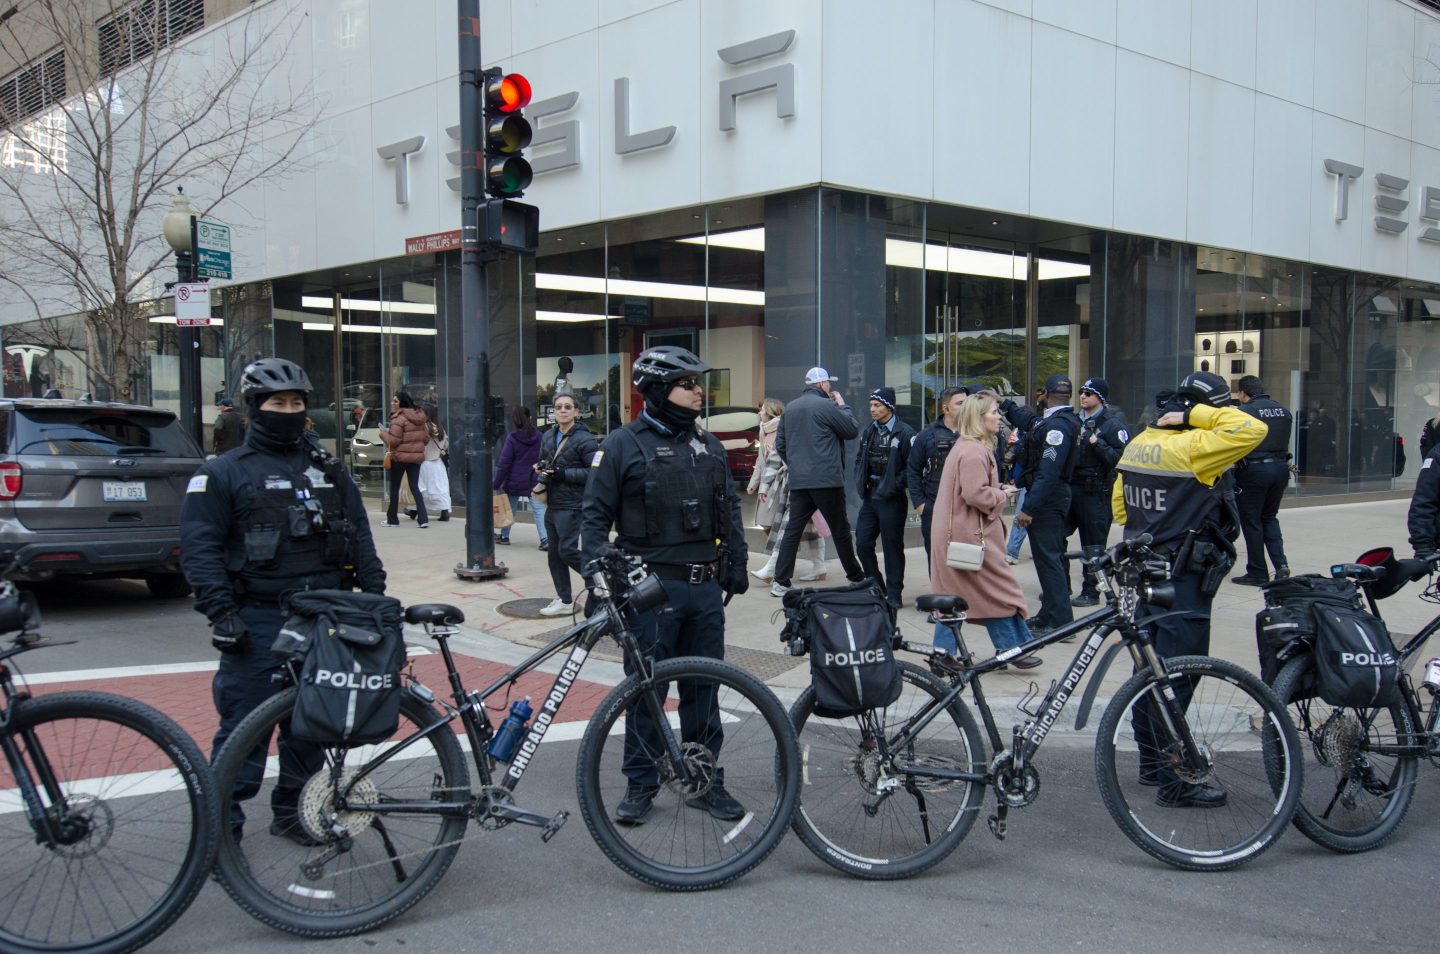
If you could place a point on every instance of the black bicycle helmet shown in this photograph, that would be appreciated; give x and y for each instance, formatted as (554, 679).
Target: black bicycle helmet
(271, 376)
(1204, 387)
(665, 363)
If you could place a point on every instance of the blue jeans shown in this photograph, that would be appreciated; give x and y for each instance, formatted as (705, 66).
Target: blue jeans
(1017, 532)
(1004, 633)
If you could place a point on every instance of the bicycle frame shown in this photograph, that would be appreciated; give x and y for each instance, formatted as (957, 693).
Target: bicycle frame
(44, 821)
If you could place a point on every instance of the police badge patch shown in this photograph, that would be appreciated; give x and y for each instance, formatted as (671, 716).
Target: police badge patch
(1055, 437)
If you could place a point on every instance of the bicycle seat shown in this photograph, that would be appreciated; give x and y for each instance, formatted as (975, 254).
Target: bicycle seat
(434, 614)
(940, 603)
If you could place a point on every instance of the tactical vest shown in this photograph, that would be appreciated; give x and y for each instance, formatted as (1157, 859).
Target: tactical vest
(877, 459)
(942, 443)
(683, 496)
(1035, 449)
(296, 535)
(1278, 419)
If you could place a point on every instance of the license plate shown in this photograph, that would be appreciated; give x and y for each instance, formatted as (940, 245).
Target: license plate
(118, 491)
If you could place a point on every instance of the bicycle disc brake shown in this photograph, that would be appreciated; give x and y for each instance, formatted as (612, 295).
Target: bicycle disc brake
(84, 828)
(1014, 787)
(700, 771)
(317, 804)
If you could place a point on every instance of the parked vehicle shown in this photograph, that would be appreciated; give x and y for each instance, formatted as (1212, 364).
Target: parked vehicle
(737, 429)
(91, 489)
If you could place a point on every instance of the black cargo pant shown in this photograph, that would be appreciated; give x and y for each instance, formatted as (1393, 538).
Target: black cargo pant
(562, 529)
(1259, 490)
(883, 518)
(1049, 528)
(1090, 514)
(830, 501)
(1185, 635)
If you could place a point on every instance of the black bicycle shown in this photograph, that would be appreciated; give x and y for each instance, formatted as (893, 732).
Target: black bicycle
(1361, 764)
(893, 791)
(381, 823)
(107, 822)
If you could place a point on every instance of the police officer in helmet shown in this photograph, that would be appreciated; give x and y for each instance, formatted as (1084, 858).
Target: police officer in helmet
(276, 515)
(1260, 481)
(1050, 440)
(1172, 482)
(665, 487)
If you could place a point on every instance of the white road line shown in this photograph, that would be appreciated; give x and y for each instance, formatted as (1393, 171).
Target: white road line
(130, 672)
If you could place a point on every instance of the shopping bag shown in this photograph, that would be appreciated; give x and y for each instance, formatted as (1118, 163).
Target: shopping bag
(503, 515)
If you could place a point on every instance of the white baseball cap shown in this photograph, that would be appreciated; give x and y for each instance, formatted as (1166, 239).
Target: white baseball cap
(817, 374)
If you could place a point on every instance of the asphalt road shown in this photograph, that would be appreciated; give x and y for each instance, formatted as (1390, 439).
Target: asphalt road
(1065, 877)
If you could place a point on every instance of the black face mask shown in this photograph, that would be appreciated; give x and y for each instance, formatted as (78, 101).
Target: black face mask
(673, 416)
(282, 427)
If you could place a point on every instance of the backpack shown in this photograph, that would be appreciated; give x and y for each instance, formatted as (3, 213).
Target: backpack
(851, 636)
(353, 652)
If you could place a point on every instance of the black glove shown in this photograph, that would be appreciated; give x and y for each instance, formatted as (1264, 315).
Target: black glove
(738, 583)
(229, 635)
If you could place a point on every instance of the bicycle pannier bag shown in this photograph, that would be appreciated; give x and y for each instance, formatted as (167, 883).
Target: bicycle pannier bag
(1286, 626)
(1355, 662)
(354, 652)
(850, 633)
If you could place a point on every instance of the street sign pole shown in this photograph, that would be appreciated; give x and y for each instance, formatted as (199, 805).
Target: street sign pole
(475, 315)
(187, 343)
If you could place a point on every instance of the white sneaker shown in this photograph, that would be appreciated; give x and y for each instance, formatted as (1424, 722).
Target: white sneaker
(777, 590)
(558, 607)
(1011, 560)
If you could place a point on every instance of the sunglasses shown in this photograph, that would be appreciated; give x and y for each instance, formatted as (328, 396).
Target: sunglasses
(689, 384)
(1089, 392)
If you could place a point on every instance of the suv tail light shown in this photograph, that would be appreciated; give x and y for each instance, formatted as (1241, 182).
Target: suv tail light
(10, 474)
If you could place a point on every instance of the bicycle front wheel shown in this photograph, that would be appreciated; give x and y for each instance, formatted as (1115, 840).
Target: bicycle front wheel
(720, 816)
(286, 865)
(1354, 796)
(1232, 805)
(128, 797)
(861, 812)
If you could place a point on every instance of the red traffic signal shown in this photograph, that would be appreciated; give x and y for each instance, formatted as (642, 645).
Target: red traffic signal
(506, 93)
(506, 134)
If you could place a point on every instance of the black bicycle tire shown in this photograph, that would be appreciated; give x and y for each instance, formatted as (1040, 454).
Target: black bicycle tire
(603, 828)
(1404, 788)
(235, 875)
(1277, 819)
(192, 768)
(860, 866)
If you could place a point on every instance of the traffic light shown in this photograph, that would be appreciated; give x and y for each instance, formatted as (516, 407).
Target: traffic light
(507, 133)
(510, 225)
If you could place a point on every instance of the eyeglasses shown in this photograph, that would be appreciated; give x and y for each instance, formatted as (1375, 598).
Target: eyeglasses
(1089, 392)
(689, 384)
(564, 407)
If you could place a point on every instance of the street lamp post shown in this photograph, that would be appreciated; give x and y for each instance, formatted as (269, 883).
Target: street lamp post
(179, 228)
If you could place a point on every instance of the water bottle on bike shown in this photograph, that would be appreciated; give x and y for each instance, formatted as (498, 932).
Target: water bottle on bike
(502, 747)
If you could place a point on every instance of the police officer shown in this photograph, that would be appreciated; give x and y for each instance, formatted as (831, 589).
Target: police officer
(881, 472)
(1049, 460)
(1172, 483)
(276, 515)
(1423, 518)
(1260, 481)
(666, 488)
(1102, 439)
(927, 458)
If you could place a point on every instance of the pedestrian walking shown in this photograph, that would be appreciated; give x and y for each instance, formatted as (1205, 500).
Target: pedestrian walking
(1102, 439)
(1172, 484)
(927, 459)
(882, 468)
(277, 515)
(1260, 481)
(811, 442)
(969, 508)
(771, 481)
(1049, 460)
(405, 439)
(434, 472)
(665, 486)
(769, 413)
(515, 470)
(229, 428)
(564, 466)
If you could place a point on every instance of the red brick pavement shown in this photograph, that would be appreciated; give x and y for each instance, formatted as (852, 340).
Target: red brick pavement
(185, 697)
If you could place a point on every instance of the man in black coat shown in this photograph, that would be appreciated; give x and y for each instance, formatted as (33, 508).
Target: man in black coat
(1102, 440)
(881, 470)
(927, 459)
(1260, 481)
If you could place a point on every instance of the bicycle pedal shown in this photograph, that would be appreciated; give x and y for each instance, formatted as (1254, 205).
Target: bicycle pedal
(997, 827)
(556, 823)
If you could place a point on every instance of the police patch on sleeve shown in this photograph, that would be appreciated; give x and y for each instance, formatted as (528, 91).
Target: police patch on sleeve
(599, 456)
(1055, 437)
(1428, 462)
(1124, 435)
(197, 484)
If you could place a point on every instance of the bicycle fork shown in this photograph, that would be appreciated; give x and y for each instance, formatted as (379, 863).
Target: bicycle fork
(55, 826)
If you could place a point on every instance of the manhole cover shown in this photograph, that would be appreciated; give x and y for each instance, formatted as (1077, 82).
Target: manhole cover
(524, 609)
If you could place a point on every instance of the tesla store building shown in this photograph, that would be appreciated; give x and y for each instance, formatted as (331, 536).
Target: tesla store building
(912, 194)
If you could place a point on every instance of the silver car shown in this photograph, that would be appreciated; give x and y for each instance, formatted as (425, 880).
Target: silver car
(93, 489)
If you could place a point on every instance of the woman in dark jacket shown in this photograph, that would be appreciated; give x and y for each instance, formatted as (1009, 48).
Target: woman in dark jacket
(405, 441)
(564, 467)
(515, 471)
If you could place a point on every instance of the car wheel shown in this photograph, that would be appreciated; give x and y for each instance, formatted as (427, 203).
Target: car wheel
(168, 586)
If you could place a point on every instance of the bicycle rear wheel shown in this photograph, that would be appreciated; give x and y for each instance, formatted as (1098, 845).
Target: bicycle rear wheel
(1354, 797)
(1250, 749)
(299, 877)
(869, 820)
(687, 841)
(136, 826)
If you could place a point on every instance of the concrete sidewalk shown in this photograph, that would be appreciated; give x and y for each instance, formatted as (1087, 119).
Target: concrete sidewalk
(420, 566)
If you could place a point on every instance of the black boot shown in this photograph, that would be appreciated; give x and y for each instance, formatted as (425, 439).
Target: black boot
(444, 515)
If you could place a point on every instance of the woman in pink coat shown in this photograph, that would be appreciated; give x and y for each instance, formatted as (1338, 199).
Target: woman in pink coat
(968, 509)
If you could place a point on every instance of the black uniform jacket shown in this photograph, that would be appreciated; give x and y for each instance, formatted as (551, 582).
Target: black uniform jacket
(891, 483)
(1052, 438)
(1424, 518)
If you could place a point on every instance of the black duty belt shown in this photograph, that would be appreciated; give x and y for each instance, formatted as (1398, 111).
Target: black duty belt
(1267, 460)
(694, 573)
